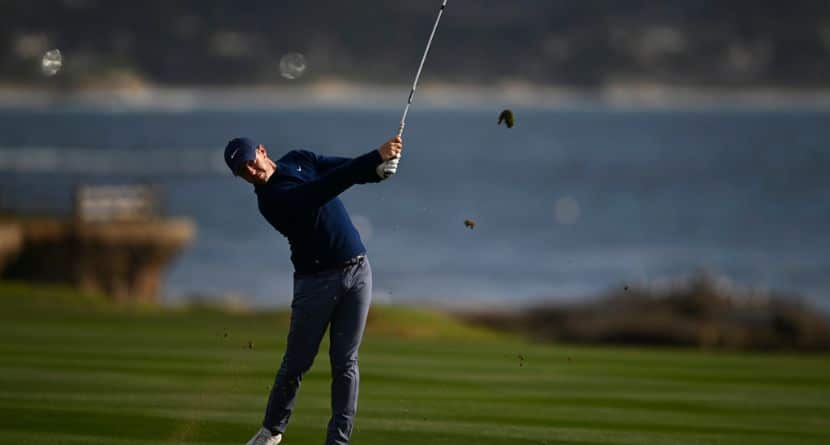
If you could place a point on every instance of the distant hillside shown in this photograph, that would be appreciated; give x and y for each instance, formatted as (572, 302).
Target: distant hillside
(584, 43)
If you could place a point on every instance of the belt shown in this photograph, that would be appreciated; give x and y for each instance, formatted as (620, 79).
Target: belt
(322, 268)
(353, 261)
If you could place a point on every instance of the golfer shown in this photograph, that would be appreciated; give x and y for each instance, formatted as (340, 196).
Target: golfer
(297, 194)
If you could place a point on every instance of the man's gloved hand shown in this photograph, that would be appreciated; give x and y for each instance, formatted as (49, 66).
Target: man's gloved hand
(388, 168)
(390, 152)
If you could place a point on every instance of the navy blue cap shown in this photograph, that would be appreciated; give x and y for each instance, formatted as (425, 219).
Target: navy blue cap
(239, 151)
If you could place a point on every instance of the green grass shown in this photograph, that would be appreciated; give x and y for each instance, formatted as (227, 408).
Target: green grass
(90, 373)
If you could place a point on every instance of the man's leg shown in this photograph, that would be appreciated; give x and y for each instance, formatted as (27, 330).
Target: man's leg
(346, 332)
(315, 296)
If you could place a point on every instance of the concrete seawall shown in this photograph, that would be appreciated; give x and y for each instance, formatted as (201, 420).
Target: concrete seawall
(124, 260)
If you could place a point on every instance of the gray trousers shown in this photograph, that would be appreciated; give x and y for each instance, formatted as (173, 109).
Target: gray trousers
(339, 297)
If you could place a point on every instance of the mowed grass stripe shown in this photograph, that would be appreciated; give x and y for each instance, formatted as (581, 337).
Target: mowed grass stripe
(721, 366)
(553, 419)
(203, 424)
(46, 438)
(411, 376)
(242, 375)
(744, 411)
(541, 416)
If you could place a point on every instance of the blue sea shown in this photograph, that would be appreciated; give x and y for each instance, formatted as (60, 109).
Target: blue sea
(567, 204)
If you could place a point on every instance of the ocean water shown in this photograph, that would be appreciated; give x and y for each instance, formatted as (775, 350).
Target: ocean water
(567, 204)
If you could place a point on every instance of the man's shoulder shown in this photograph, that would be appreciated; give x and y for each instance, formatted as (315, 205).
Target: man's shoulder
(296, 155)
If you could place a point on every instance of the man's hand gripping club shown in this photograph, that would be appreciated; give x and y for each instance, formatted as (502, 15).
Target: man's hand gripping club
(390, 152)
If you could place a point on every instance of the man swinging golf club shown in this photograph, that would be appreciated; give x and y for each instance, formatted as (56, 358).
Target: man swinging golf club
(297, 194)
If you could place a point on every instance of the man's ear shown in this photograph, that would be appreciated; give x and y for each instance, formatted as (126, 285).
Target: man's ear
(261, 148)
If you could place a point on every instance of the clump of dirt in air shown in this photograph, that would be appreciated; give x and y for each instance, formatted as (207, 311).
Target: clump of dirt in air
(507, 117)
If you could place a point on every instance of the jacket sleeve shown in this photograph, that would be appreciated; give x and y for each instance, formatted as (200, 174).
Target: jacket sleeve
(314, 194)
(326, 164)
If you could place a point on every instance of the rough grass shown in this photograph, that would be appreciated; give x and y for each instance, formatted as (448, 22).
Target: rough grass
(74, 370)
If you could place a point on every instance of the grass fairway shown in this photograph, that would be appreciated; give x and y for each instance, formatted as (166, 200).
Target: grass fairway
(83, 373)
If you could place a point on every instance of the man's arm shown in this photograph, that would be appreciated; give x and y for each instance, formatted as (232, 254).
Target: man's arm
(320, 191)
(326, 164)
(359, 170)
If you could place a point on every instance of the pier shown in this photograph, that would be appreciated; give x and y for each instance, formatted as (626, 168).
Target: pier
(116, 244)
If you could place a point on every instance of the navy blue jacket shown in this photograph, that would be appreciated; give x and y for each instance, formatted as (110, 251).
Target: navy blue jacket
(300, 201)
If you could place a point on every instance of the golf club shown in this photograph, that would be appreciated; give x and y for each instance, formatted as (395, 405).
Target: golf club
(393, 163)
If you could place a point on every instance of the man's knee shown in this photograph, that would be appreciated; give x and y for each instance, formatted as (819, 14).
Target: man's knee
(345, 365)
(294, 368)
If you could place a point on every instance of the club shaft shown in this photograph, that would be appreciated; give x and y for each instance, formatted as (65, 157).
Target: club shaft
(420, 67)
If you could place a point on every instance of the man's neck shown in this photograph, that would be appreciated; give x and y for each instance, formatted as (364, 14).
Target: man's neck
(272, 170)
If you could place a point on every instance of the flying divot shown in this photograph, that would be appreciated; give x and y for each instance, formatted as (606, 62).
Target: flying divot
(506, 116)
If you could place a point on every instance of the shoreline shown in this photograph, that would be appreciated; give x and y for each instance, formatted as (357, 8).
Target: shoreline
(335, 94)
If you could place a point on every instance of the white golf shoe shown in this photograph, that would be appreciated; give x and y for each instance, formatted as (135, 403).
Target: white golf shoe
(264, 437)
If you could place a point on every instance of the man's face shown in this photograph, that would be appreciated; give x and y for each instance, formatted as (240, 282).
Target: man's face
(256, 170)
